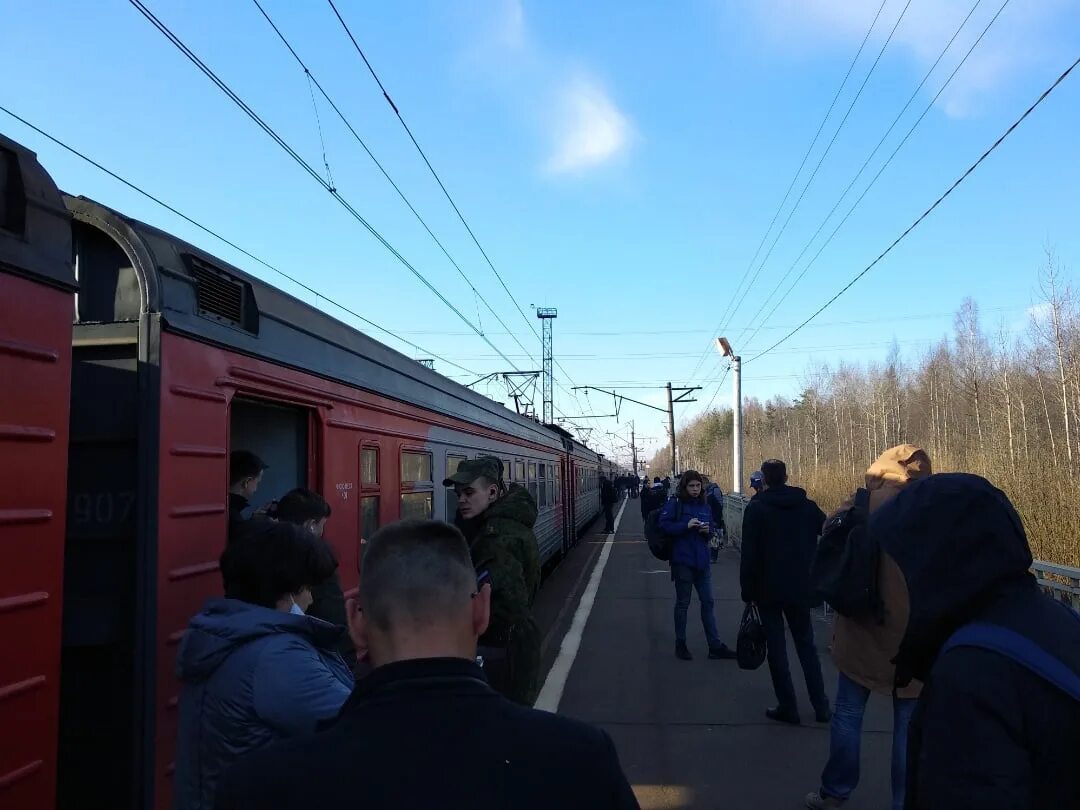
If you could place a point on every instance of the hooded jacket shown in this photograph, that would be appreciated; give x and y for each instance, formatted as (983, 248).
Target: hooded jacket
(779, 537)
(251, 675)
(689, 546)
(863, 649)
(987, 732)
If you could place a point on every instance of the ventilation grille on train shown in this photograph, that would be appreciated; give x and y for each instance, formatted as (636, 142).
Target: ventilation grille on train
(219, 296)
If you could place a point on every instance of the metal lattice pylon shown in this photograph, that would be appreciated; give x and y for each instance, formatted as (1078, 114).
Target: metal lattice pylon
(547, 315)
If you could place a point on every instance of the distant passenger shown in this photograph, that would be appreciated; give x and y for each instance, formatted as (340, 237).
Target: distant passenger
(245, 474)
(311, 511)
(863, 650)
(715, 498)
(254, 668)
(688, 519)
(757, 483)
(998, 722)
(608, 499)
(425, 730)
(779, 537)
(497, 520)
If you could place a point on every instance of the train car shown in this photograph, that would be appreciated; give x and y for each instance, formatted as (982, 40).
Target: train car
(37, 286)
(180, 358)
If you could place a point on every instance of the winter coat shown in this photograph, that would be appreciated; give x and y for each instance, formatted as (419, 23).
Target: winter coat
(863, 649)
(987, 732)
(328, 604)
(237, 505)
(501, 542)
(779, 537)
(251, 675)
(716, 503)
(431, 733)
(608, 495)
(689, 547)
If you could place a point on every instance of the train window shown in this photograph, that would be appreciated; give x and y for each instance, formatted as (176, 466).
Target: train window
(369, 516)
(532, 481)
(369, 465)
(452, 464)
(558, 483)
(416, 506)
(519, 471)
(543, 500)
(415, 467)
(507, 469)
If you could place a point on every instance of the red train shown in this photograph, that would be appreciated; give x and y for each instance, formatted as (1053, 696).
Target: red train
(132, 362)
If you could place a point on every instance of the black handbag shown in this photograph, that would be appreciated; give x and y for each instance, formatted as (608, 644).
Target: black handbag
(751, 649)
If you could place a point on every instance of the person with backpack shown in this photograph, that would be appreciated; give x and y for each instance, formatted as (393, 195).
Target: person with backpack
(997, 724)
(863, 646)
(686, 520)
(779, 538)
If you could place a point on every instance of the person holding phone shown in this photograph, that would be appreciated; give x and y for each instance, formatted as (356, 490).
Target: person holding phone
(688, 519)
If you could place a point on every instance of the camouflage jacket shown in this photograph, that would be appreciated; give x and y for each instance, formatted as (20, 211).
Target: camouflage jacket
(503, 544)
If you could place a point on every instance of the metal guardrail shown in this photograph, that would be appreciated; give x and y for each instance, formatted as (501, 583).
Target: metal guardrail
(1060, 581)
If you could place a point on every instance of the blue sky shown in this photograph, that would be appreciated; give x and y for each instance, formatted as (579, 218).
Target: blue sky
(618, 160)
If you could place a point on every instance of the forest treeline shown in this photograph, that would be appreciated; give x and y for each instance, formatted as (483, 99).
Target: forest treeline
(983, 400)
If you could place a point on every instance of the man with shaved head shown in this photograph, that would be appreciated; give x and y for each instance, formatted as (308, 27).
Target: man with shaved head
(425, 729)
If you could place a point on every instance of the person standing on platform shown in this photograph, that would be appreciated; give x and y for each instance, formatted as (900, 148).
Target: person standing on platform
(863, 650)
(757, 483)
(497, 520)
(608, 498)
(245, 474)
(310, 510)
(779, 539)
(687, 518)
(425, 730)
(715, 498)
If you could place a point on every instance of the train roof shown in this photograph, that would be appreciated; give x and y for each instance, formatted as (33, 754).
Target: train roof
(35, 226)
(200, 295)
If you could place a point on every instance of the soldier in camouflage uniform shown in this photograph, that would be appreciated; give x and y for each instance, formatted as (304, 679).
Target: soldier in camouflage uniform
(497, 519)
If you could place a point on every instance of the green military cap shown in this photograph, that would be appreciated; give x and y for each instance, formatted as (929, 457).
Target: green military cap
(470, 469)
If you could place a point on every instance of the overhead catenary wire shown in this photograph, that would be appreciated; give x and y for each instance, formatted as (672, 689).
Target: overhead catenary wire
(300, 161)
(313, 81)
(225, 240)
(866, 163)
(970, 170)
(776, 215)
(825, 154)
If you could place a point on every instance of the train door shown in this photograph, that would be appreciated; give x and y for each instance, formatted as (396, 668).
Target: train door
(280, 435)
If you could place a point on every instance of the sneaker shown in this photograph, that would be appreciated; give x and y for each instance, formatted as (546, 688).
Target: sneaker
(722, 652)
(815, 801)
(782, 716)
(823, 715)
(682, 652)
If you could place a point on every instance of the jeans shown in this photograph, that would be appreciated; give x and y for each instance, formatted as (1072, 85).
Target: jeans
(686, 579)
(609, 518)
(841, 773)
(802, 633)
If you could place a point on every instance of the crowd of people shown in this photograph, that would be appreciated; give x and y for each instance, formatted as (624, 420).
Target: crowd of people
(982, 667)
(434, 667)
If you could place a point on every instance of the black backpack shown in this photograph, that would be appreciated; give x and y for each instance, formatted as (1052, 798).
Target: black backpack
(844, 572)
(660, 542)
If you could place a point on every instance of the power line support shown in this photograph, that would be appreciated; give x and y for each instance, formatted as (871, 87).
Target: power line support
(736, 407)
(671, 428)
(546, 316)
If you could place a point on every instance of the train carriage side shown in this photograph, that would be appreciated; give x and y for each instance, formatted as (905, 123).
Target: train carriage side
(37, 284)
(181, 358)
(585, 465)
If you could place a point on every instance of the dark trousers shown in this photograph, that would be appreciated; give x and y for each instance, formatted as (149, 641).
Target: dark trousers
(802, 633)
(609, 518)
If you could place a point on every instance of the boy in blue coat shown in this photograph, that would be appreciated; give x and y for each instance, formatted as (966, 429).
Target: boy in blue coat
(687, 518)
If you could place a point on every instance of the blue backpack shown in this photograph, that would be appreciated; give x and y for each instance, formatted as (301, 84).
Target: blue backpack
(1020, 649)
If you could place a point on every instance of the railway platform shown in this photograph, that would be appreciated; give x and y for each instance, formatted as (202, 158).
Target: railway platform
(689, 734)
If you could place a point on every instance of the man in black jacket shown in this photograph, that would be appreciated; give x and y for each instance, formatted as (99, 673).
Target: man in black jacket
(779, 538)
(988, 732)
(245, 474)
(425, 730)
(608, 498)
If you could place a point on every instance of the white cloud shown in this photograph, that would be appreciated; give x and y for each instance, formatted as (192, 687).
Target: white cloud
(589, 129)
(570, 108)
(1040, 313)
(1024, 35)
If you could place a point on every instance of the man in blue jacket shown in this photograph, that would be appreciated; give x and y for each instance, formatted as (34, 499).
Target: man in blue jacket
(687, 519)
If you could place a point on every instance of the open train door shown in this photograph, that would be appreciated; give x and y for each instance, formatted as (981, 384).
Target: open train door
(37, 285)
